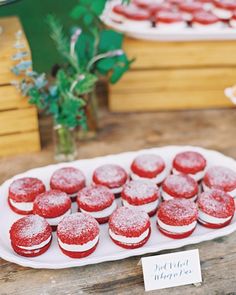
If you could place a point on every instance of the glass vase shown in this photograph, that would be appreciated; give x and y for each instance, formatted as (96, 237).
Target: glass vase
(64, 143)
(91, 112)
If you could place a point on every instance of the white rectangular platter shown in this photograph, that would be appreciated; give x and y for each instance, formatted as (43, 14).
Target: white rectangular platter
(106, 250)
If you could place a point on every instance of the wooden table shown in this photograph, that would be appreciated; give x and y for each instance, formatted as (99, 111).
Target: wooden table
(214, 129)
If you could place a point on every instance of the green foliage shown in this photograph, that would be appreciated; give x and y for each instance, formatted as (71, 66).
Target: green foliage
(90, 52)
(61, 40)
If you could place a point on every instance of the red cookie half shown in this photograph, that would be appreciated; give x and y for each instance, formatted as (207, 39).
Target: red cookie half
(216, 208)
(22, 193)
(179, 186)
(112, 176)
(30, 236)
(148, 166)
(52, 205)
(129, 227)
(98, 201)
(190, 162)
(78, 235)
(177, 218)
(222, 178)
(141, 194)
(69, 180)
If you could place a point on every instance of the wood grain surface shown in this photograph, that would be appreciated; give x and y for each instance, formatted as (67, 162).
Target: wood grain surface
(10, 25)
(153, 55)
(18, 119)
(175, 75)
(213, 129)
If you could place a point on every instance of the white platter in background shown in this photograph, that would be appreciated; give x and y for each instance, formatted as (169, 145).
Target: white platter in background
(106, 250)
(157, 34)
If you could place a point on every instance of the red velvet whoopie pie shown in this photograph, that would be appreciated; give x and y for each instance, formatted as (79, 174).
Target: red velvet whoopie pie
(222, 178)
(69, 180)
(191, 163)
(52, 205)
(98, 201)
(141, 194)
(78, 235)
(31, 236)
(148, 167)
(129, 228)
(112, 176)
(181, 186)
(22, 193)
(177, 218)
(216, 208)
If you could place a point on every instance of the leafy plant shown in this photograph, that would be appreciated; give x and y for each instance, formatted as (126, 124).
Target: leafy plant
(56, 98)
(90, 52)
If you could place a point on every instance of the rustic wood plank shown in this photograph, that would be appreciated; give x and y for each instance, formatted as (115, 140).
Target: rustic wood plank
(203, 79)
(18, 121)
(14, 144)
(172, 89)
(152, 55)
(10, 26)
(162, 100)
(11, 98)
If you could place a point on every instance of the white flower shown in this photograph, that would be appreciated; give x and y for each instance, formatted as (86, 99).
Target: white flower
(231, 93)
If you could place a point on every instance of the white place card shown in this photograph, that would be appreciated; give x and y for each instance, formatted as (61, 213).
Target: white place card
(170, 270)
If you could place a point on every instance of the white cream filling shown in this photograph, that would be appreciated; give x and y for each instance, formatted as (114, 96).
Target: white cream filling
(78, 248)
(197, 176)
(167, 197)
(233, 23)
(222, 13)
(202, 216)
(23, 206)
(217, 25)
(158, 179)
(231, 193)
(102, 213)
(149, 207)
(137, 24)
(177, 229)
(36, 247)
(54, 221)
(128, 240)
(171, 26)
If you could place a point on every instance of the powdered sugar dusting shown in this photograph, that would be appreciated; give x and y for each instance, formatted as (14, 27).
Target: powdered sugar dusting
(221, 178)
(129, 220)
(140, 189)
(180, 185)
(113, 175)
(78, 226)
(216, 203)
(149, 162)
(52, 198)
(31, 226)
(26, 186)
(67, 177)
(96, 196)
(178, 210)
(189, 160)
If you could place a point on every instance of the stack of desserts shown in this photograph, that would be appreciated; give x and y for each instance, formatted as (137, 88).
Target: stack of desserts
(188, 194)
(175, 14)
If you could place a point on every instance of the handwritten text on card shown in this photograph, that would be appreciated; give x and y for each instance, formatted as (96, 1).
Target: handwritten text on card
(169, 270)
